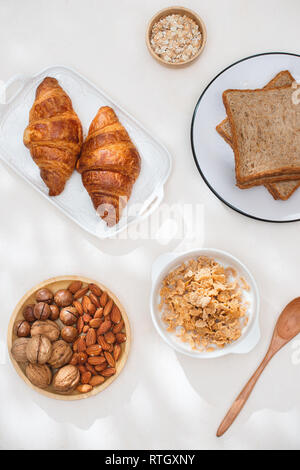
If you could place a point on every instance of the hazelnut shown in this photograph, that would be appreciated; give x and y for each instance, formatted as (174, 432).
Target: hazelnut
(63, 298)
(38, 349)
(22, 328)
(28, 313)
(39, 374)
(44, 295)
(68, 315)
(69, 333)
(18, 349)
(41, 311)
(54, 312)
(66, 379)
(47, 328)
(61, 354)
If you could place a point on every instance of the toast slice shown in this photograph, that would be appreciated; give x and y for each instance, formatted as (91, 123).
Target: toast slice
(265, 125)
(283, 78)
(283, 189)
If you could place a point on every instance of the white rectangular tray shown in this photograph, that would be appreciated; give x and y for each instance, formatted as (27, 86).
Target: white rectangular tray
(75, 202)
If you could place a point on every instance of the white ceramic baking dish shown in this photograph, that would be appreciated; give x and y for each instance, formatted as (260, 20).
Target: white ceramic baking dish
(74, 201)
(251, 332)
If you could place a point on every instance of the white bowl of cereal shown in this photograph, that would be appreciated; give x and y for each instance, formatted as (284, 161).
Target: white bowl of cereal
(205, 303)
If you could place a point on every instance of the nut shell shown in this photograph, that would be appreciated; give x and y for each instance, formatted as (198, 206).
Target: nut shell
(69, 333)
(28, 313)
(39, 375)
(54, 312)
(68, 315)
(63, 298)
(22, 328)
(41, 311)
(66, 379)
(38, 349)
(44, 295)
(18, 349)
(47, 328)
(61, 354)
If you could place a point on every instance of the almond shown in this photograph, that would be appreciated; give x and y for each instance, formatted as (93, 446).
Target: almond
(104, 345)
(117, 352)
(92, 309)
(109, 358)
(99, 312)
(81, 345)
(94, 300)
(95, 289)
(80, 325)
(103, 299)
(96, 360)
(108, 307)
(115, 315)
(104, 327)
(84, 388)
(82, 358)
(86, 303)
(75, 345)
(74, 359)
(120, 337)
(118, 328)
(101, 367)
(109, 337)
(96, 380)
(75, 286)
(91, 337)
(86, 377)
(86, 318)
(80, 293)
(78, 307)
(108, 372)
(91, 369)
(94, 350)
(95, 322)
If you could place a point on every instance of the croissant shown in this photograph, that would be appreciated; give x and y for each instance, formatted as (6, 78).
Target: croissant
(109, 165)
(54, 135)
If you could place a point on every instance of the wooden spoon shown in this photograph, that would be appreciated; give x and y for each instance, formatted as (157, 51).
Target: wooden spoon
(287, 327)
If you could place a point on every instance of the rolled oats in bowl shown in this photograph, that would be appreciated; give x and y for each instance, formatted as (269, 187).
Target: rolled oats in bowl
(176, 38)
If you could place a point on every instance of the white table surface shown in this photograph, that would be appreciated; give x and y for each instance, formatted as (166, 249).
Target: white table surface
(162, 400)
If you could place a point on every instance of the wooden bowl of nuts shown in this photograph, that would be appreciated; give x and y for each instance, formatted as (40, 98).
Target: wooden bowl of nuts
(176, 36)
(69, 338)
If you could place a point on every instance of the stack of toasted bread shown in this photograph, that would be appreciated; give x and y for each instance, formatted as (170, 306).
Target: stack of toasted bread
(263, 128)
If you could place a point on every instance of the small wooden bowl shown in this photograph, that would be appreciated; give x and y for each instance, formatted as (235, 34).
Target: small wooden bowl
(54, 284)
(174, 11)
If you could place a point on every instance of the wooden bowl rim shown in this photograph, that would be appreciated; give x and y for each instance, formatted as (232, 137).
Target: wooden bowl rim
(119, 366)
(169, 11)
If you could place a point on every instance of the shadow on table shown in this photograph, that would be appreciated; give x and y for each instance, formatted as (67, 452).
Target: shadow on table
(84, 413)
(219, 381)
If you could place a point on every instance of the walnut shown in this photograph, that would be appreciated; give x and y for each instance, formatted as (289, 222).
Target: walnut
(18, 349)
(39, 349)
(47, 328)
(39, 374)
(61, 354)
(66, 379)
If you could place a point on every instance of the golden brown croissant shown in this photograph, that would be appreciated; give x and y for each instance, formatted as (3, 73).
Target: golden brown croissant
(54, 135)
(109, 164)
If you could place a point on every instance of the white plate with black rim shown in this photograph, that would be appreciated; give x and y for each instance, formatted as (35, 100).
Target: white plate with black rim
(214, 157)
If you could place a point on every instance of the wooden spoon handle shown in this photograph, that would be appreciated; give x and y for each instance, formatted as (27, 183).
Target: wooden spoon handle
(243, 397)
